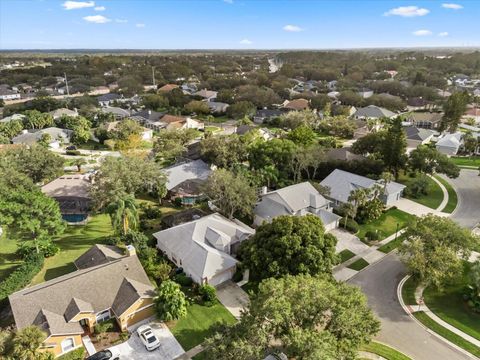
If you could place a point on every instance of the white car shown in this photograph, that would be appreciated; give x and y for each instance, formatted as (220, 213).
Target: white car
(148, 338)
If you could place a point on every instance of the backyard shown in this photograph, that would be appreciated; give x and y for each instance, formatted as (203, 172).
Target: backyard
(432, 199)
(8, 260)
(386, 224)
(73, 243)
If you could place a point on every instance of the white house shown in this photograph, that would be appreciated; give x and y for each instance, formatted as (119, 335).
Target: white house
(56, 137)
(204, 248)
(449, 144)
(342, 183)
(295, 200)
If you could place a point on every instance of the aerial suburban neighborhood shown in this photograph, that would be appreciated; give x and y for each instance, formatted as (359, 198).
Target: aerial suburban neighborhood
(181, 195)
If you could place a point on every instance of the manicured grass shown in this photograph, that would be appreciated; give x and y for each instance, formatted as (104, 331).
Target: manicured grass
(73, 243)
(451, 308)
(199, 323)
(392, 245)
(92, 145)
(447, 334)
(384, 351)
(452, 196)
(358, 265)
(386, 224)
(466, 160)
(345, 255)
(435, 194)
(212, 129)
(8, 260)
(408, 291)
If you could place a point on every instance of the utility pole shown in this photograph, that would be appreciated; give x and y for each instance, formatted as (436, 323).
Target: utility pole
(66, 84)
(153, 75)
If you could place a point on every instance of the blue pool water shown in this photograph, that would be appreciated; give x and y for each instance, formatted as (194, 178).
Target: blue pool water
(73, 218)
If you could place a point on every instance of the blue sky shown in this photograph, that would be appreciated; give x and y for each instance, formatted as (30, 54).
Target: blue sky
(236, 24)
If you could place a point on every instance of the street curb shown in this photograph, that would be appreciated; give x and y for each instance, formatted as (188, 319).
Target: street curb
(456, 192)
(405, 308)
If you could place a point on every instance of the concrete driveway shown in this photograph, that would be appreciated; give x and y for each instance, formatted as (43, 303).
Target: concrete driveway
(134, 349)
(348, 241)
(233, 298)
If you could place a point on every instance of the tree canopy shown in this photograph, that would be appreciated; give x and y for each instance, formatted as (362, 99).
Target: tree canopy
(289, 245)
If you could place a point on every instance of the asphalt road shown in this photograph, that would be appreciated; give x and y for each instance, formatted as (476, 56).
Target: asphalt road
(467, 186)
(379, 282)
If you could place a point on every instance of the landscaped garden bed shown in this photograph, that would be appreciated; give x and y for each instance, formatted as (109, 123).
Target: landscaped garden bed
(387, 224)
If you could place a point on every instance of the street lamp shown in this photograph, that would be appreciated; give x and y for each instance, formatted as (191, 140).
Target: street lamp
(396, 232)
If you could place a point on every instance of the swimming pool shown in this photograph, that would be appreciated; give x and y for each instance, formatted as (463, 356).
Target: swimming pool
(74, 218)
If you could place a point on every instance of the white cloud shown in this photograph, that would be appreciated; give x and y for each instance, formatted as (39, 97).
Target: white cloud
(407, 11)
(72, 5)
(292, 28)
(140, 25)
(99, 8)
(422, 33)
(443, 34)
(121, 21)
(97, 19)
(245, 42)
(228, 1)
(452, 6)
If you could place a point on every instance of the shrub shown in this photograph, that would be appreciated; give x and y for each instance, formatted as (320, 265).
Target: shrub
(208, 292)
(73, 152)
(171, 303)
(352, 225)
(372, 235)
(177, 201)
(103, 327)
(418, 187)
(238, 276)
(151, 212)
(22, 275)
(46, 247)
(183, 280)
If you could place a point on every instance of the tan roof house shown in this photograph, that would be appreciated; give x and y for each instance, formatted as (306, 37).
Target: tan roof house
(107, 284)
(167, 88)
(297, 104)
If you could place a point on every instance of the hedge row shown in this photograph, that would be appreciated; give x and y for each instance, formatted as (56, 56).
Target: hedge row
(22, 276)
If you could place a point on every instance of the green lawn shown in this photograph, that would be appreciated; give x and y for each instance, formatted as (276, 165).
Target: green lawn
(408, 291)
(212, 129)
(73, 243)
(386, 224)
(447, 334)
(198, 324)
(384, 351)
(466, 161)
(8, 260)
(451, 308)
(392, 245)
(92, 145)
(345, 255)
(358, 265)
(435, 194)
(452, 195)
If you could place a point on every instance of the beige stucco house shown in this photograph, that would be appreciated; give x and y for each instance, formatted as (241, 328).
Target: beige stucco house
(107, 284)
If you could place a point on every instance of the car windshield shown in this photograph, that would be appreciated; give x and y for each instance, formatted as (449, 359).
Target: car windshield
(151, 339)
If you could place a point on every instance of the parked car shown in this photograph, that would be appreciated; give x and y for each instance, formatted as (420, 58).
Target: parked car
(71, 147)
(104, 355)
(148, 338)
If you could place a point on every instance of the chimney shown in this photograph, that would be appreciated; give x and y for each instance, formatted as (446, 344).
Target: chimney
(24, 131)
(264, 190)
(149, 112)
(131, 250)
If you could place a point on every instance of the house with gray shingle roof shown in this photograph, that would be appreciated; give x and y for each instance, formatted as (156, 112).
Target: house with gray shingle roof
(417, 136)
(295, 200)
(56, 136)
(205, 247)
(449, 144)
(341, 183)
(115, 286)
(373, 112)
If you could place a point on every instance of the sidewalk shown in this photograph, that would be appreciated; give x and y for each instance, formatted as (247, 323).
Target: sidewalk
(445, 194)
(413, 308)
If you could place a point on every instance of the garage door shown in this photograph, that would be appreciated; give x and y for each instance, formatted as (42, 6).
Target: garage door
(221, 278)
(140, 315)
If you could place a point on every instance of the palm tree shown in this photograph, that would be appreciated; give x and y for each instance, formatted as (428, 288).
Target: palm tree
(387, 177)
(123, 214)
(348, 211)
(79, 162)
(26, 343)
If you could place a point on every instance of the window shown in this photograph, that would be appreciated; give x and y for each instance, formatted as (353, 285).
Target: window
(68, 344)
(103, 315)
